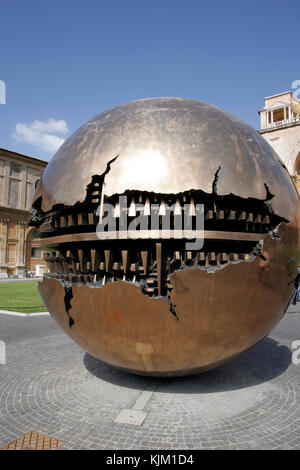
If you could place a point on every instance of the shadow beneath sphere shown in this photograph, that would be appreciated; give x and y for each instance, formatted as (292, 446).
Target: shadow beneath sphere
(261, 363)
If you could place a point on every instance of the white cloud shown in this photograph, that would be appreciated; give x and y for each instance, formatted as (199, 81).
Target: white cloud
(42, 134)
(51, 125)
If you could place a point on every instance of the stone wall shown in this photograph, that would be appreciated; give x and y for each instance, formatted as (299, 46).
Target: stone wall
(18, 175)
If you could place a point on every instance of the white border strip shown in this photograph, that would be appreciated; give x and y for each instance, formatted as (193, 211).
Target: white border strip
(21, 314)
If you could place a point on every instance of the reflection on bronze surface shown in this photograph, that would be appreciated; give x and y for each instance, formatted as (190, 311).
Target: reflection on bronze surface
(219, 315)
(167, 145)
(149, 305)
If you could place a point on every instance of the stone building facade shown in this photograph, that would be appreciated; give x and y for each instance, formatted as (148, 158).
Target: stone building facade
(280, 126)
(19, 250)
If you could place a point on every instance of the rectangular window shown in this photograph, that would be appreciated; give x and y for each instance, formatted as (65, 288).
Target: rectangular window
(278, 115)
(12, 231)
(29, 194)
(11, 253)
(13, 193)
(35, 252)
(15, 171)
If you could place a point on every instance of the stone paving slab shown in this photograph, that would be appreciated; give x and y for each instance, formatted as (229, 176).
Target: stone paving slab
(51, 385)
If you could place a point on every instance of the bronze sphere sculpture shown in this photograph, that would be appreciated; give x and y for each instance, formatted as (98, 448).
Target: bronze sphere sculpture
(152, 304)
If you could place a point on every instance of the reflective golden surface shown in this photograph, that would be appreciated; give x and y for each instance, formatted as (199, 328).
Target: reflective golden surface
(220, 314)
(167, 145)
(170, 145)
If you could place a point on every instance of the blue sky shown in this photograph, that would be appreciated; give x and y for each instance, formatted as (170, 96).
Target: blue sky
(65, 61)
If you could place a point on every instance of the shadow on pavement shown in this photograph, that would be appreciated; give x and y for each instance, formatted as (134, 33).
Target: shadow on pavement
(261, 363)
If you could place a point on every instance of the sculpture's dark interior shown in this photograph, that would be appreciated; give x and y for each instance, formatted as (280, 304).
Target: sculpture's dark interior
(234, 227)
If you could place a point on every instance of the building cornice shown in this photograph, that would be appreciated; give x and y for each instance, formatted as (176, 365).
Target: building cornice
(22, 157)
(278, 94)
(10, 211)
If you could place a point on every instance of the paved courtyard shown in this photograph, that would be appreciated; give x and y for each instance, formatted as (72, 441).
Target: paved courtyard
(51, 386)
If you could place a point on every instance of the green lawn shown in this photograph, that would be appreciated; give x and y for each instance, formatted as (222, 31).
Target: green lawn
(21, 297)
